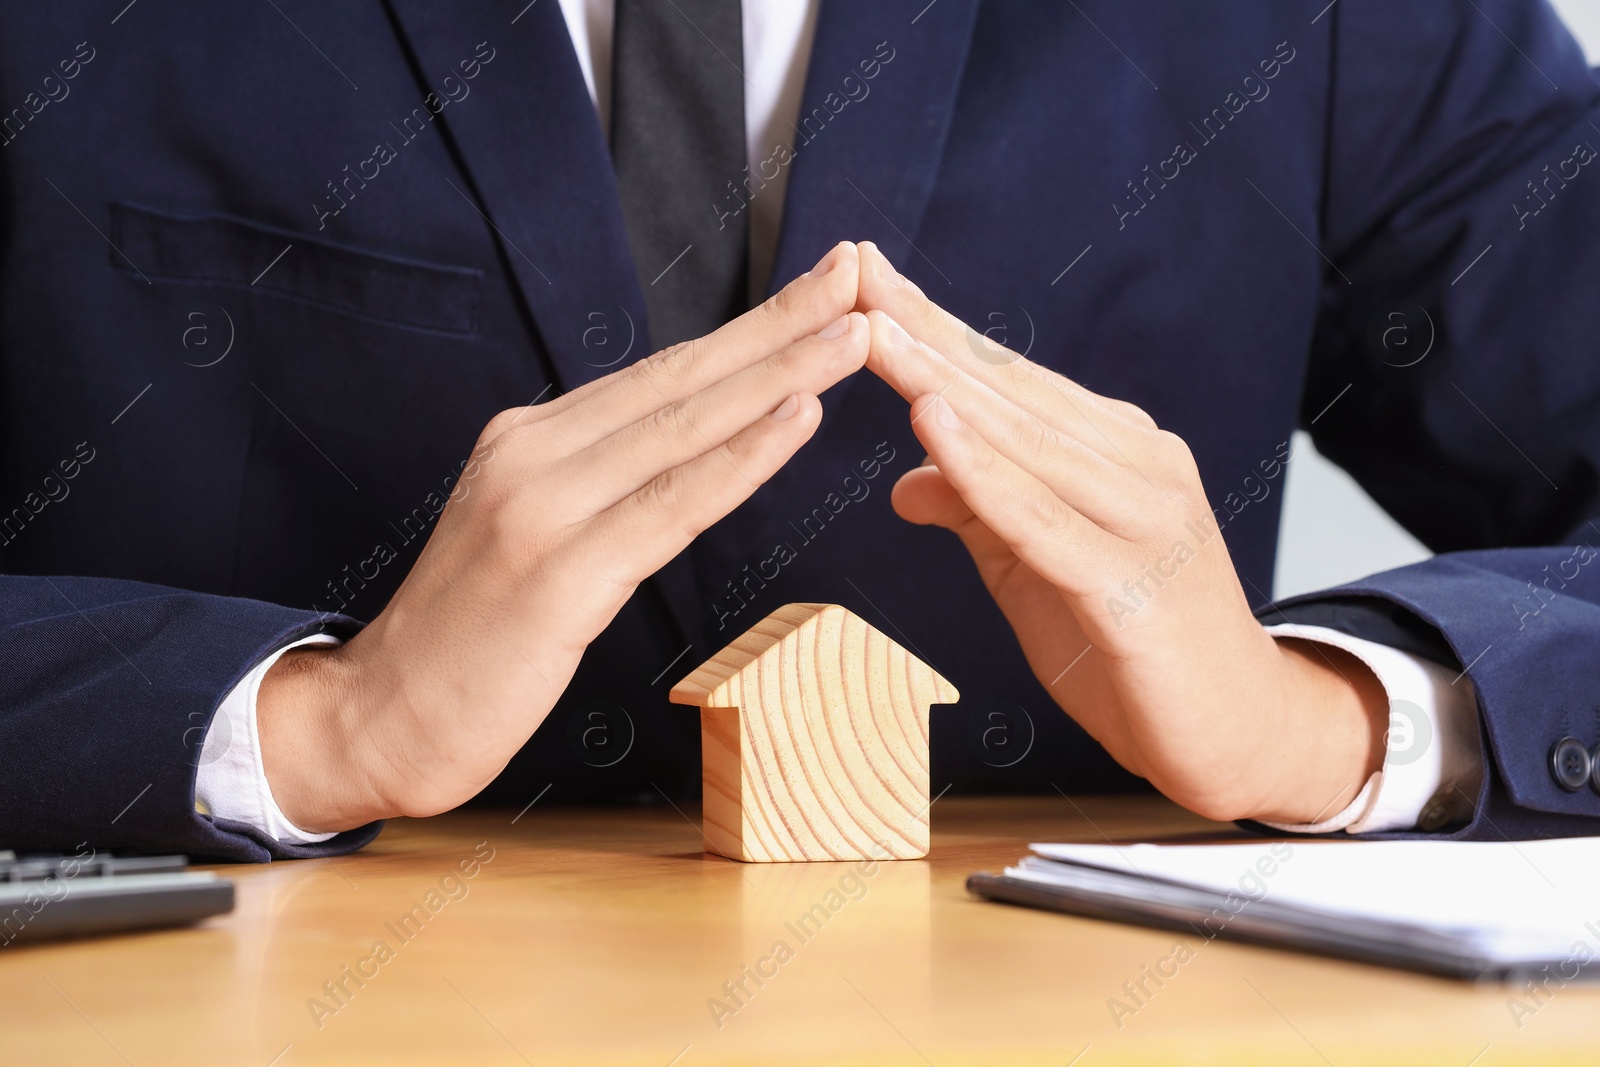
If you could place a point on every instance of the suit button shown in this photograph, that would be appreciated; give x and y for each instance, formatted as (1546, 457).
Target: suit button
(1594, 769)
(1570, 764)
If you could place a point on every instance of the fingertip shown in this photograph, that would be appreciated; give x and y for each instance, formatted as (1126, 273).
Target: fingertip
(857, 331)
(836, 329)
(860, 338)
(920, 409)
(888, 336)
(821, 296)
(889, 345)
(851, 333)
(807, 419)
(881, 285)
(849, 271)
(924, 497)
(872, 276)
(842, 282)
(797, 408)
(903, 498)
(830, 259)
(786, 410)
(932, 409)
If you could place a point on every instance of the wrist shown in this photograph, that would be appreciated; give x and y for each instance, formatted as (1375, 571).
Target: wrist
(310, 748)
(1334, 714)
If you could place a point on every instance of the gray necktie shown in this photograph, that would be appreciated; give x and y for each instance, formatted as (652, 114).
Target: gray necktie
(677, 141)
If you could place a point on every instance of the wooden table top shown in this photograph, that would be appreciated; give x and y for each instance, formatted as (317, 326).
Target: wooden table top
(589, 936)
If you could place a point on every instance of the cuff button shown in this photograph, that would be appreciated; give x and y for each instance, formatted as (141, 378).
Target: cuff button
(1439, 813)
(1570, 764)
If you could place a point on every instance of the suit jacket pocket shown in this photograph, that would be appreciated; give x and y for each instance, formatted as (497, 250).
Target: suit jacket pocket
(225, 250)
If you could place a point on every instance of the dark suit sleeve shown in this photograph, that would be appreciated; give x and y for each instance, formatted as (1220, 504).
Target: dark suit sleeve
(1461, 326)
(1456, 368)
(1525, 625)
(106, 691)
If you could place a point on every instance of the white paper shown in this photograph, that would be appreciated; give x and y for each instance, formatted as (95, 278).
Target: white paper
(1514, 899)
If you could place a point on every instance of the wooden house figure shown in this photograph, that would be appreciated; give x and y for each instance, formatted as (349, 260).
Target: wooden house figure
(814, 736)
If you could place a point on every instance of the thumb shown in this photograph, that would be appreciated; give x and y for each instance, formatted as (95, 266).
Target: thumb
(923, 496)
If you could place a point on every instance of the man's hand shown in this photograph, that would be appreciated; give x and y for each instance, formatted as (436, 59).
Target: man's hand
(1090, 527)
(580, 500)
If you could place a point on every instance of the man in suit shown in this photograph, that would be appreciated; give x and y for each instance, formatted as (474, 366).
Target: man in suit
(289, 296)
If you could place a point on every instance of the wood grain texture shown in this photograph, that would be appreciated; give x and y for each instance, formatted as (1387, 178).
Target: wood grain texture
(598, 937)
(814, 740)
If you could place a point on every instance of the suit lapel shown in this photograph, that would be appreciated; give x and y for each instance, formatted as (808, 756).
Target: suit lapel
(864, 168)
(864, 171)
(540, 171)
(537, 160)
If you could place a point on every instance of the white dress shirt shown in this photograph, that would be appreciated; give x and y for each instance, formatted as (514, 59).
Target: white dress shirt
(231, 782)
(1433, 764)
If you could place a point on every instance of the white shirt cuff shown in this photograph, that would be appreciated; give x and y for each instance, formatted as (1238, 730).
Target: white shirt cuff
(231, 782)
(1432, 763)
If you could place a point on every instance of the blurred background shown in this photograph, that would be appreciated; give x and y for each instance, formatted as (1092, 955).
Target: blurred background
(1332, 531)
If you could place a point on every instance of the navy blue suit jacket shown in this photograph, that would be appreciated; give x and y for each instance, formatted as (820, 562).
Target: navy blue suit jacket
(265, 275)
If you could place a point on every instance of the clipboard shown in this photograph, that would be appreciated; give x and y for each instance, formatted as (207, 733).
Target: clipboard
(1192, 910)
